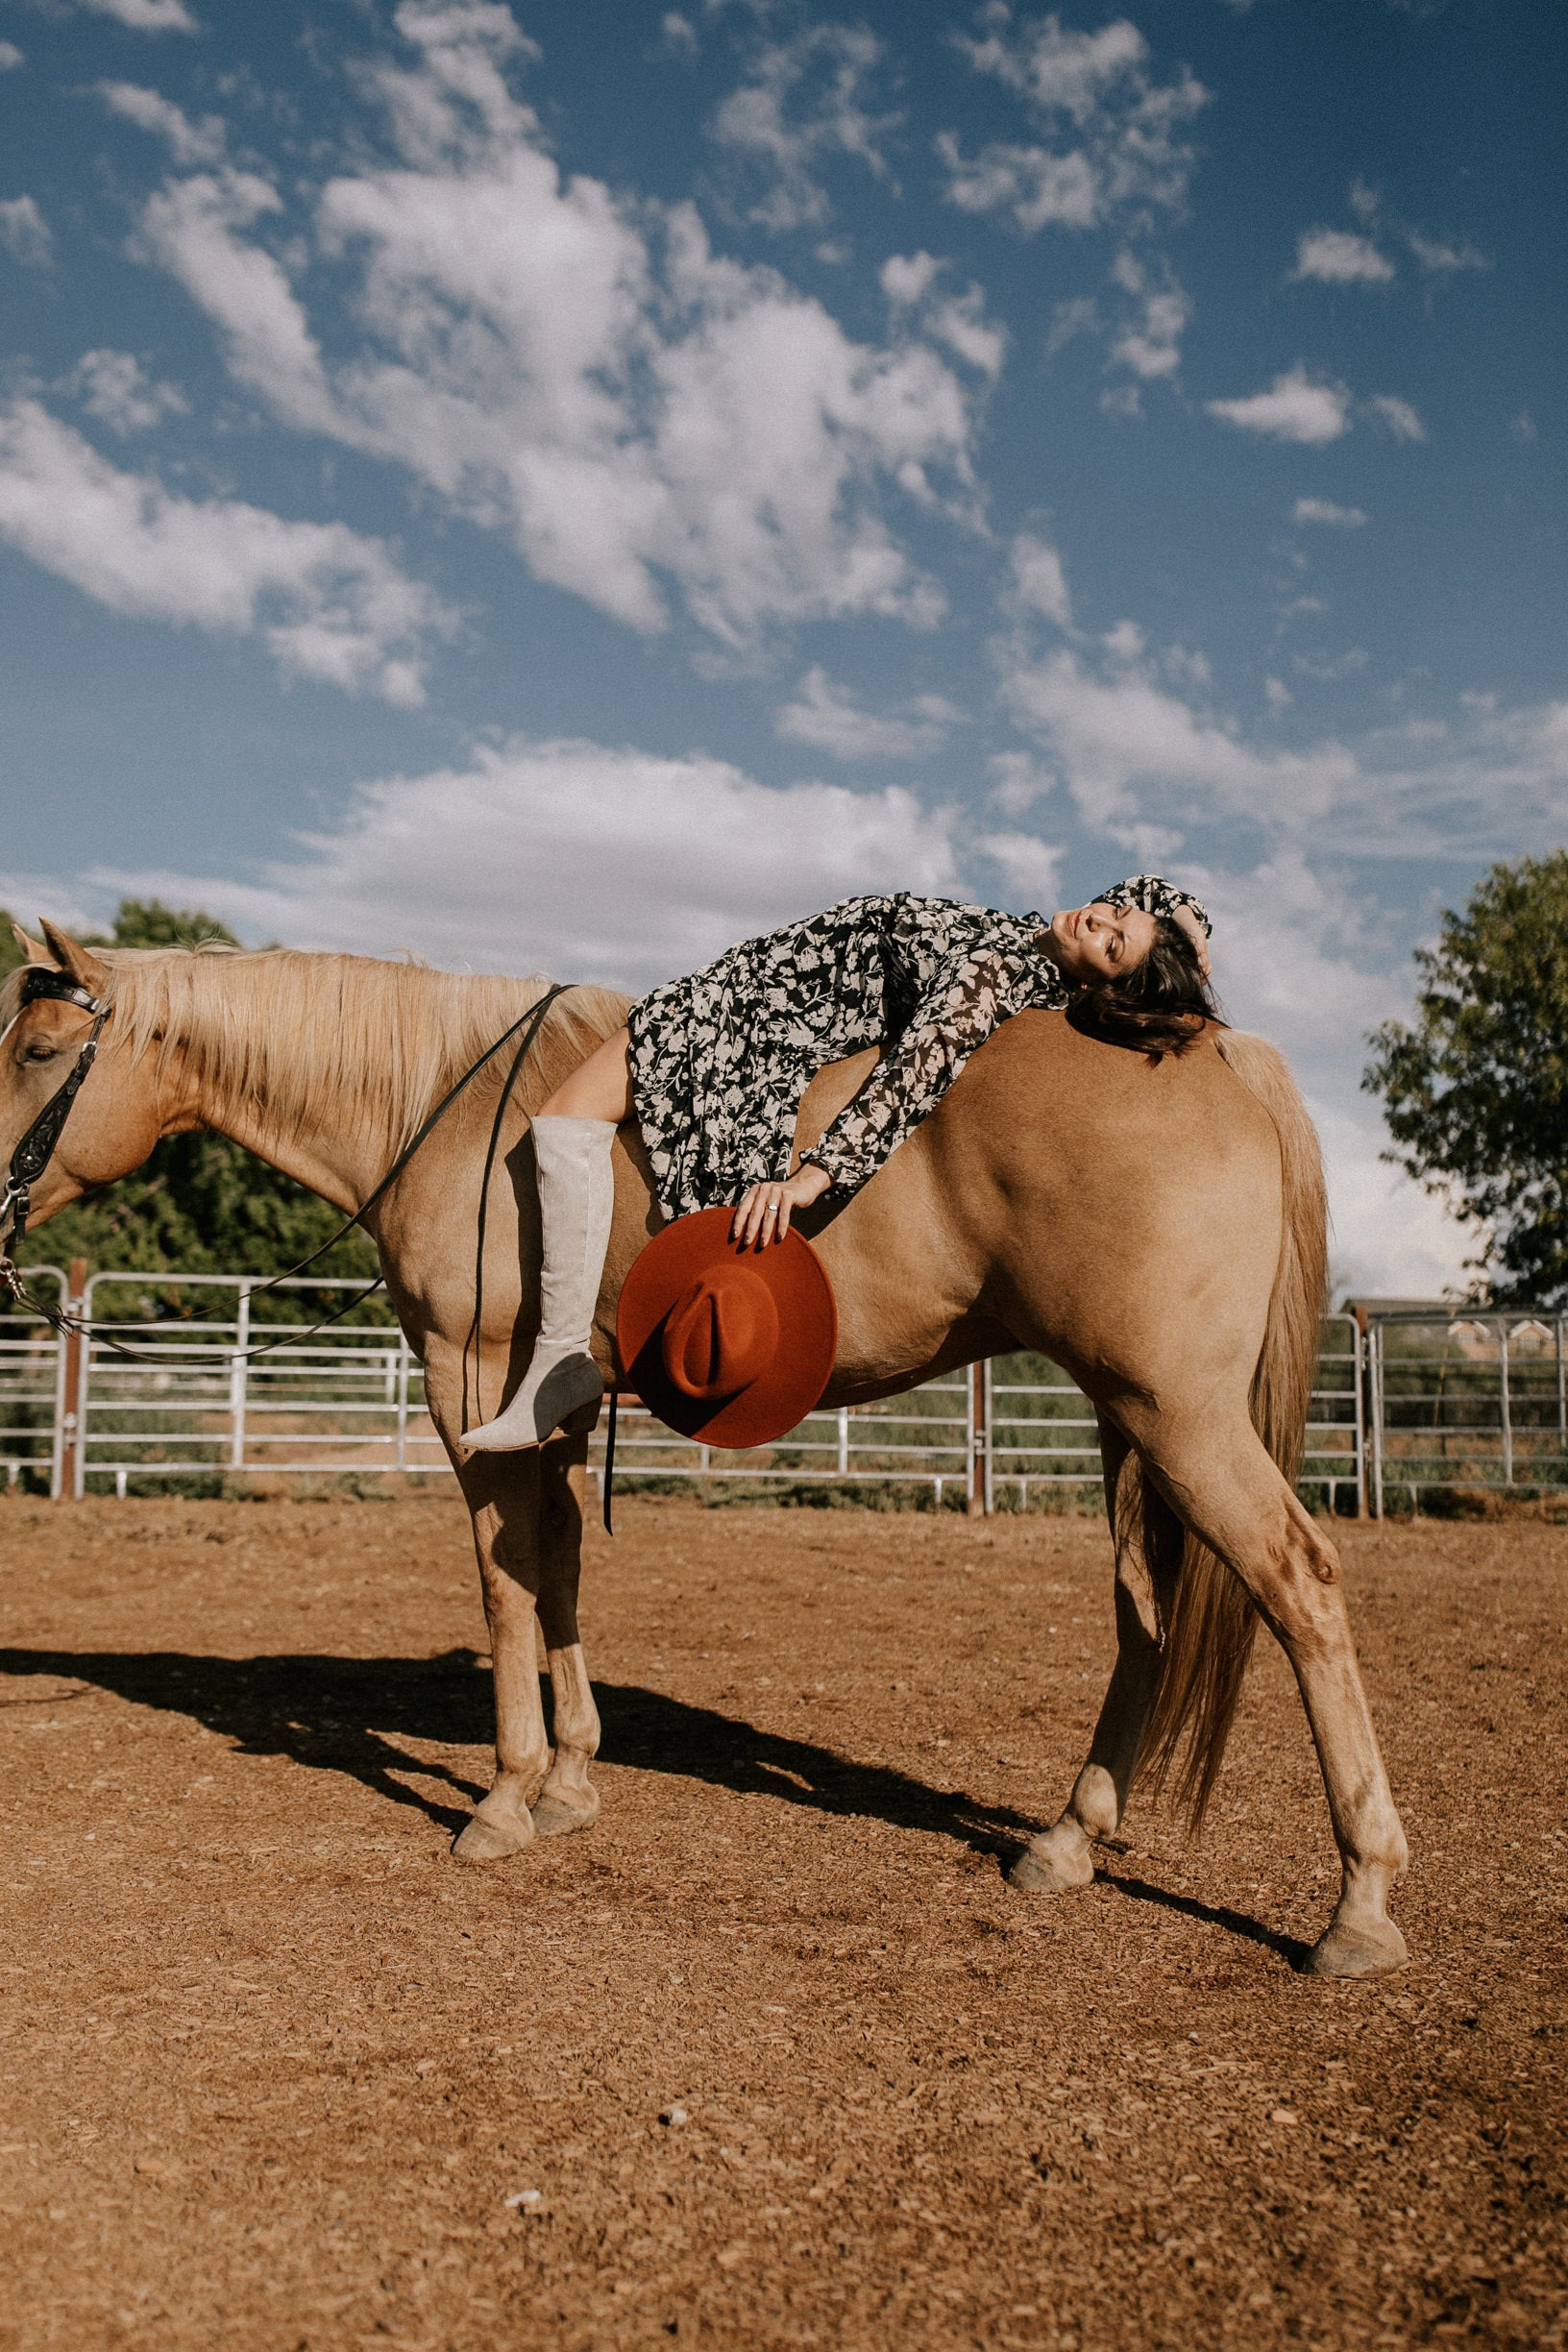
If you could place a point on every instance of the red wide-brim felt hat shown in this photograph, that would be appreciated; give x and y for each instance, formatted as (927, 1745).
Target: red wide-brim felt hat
(728, 1344)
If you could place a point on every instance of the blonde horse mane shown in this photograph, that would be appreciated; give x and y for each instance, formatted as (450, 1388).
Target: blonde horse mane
(305, 1037)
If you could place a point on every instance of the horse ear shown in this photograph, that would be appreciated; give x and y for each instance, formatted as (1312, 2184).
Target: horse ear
(86, 970)
(33, 949)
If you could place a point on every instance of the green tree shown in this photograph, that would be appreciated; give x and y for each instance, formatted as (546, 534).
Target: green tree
(1476, 1090)
(201, 1205)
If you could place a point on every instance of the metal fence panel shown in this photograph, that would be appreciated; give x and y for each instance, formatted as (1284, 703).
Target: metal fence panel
(1466, 1397)
(351, 1400)
(31, 1390)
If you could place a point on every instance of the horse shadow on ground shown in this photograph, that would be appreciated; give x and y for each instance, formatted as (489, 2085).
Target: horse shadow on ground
(351, 1716)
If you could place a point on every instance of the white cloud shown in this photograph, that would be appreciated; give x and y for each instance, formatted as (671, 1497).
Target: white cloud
(590, 863)
(1299, 959)
(1294, 408)
(115, 386)
(1018, 781)
(66, 901)
(1027, 871)
(907, 278)
(1144, 763)
(1337, 256)
(803, 100)
(24, 233)
(1324, 510)
(187, 143)
(1333, 671)
(1442, 259)
(957, 320)
(639, 414)
(328, 604)
(960, 324)
(1133, 753)
(1149, 342)
(11, 57)
(1039, 581)
(1111, 144)
(1388, 1239)
(146, 15)
(829, 719)
(192, 228)
(1040, 189)
(1398, 416)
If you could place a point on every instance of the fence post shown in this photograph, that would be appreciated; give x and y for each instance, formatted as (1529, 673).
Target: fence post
(843, 1442)
(1562, 1397)
(1374, 1383)
(402, 1402)
(1504, 1404)
(1360, 1420)
(979, 1448)
(68, 1481)
(238, 1369)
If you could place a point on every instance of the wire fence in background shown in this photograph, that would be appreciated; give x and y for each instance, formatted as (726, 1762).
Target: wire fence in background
(1404, 1405)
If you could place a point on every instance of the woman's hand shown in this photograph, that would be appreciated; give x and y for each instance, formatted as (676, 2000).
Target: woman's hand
(1195, 932)
(764, 1212)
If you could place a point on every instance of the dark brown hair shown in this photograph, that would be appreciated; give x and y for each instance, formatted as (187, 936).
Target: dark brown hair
(1161, 1005)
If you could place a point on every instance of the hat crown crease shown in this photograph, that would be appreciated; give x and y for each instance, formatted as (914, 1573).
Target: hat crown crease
(722, 1335)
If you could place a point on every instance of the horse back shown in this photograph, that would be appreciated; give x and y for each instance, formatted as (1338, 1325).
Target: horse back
(1114, 1212)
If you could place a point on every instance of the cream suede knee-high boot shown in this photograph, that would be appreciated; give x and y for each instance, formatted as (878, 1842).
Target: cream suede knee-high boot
(576, 1200)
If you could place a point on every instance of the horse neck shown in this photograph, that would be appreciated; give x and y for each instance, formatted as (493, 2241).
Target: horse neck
(339, 1160)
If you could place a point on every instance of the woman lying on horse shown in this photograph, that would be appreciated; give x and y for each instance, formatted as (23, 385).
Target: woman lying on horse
(712, 1067)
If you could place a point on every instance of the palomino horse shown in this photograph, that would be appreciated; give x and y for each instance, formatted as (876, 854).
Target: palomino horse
(1157, 1229)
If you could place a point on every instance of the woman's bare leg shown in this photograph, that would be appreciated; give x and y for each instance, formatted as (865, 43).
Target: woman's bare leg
(598, 1089)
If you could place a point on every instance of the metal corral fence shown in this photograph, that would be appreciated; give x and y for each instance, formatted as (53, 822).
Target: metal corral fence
(1466, 1400)
(1403, 1403)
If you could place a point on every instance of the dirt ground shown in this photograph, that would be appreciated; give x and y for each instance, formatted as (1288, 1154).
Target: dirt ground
(773, 2056)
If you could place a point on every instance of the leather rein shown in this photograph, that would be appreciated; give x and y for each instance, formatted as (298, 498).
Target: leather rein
(32, 1154)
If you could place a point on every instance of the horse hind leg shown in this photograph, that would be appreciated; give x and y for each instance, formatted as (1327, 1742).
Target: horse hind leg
(1062, 1857)
(568, 1799)
(1225, 1487)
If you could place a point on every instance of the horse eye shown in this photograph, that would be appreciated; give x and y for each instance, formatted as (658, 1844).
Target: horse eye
(40, 1052)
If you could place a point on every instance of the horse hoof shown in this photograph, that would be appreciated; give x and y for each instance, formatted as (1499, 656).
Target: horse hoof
(1038, 1870)
(484, 1841)
(553, 1818)
(1345, 1951)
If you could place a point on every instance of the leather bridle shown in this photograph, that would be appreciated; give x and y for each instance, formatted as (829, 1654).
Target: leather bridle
(35, 1151)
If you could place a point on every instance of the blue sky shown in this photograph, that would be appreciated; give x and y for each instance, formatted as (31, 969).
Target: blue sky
(566, 486)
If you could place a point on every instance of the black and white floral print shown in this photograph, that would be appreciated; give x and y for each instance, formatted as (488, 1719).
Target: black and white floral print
(720, 1059)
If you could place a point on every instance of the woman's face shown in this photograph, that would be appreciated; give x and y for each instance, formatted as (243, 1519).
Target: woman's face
(1098, 941)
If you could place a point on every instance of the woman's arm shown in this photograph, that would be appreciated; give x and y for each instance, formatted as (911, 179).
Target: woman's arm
(763, 1215)
(974, 994)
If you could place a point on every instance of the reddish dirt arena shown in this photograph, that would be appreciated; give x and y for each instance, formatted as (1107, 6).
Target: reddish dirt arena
(773, 2056)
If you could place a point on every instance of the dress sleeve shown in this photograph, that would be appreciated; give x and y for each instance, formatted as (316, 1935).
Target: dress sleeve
(971, 995)
(1156, 897)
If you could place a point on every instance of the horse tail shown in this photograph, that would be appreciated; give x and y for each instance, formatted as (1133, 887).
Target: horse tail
(1208, 1639)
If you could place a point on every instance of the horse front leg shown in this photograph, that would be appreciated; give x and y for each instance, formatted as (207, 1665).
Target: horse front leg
(569, 1800)
(1062, 1857)
(503, 1492)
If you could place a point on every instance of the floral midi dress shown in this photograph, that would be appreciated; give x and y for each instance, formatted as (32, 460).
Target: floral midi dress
(720, 1059)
